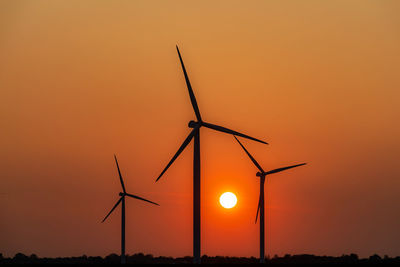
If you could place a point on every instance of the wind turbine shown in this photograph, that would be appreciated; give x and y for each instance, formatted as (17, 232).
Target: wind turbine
(195, 134)
(122, 200)
(260, 209)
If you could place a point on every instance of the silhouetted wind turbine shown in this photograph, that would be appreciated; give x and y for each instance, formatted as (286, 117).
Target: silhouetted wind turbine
(260, 208)
(195, 133)
(122, 200)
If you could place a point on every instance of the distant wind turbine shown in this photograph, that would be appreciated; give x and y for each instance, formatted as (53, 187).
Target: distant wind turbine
(195, 133)
(260, 209)
(122, 200)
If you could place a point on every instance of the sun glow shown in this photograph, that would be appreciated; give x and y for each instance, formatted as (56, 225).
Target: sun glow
(228, 200)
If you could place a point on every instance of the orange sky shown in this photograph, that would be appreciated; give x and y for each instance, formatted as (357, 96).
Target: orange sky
(82, 80)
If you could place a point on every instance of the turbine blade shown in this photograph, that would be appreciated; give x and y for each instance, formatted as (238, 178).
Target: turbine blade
(284, 168)
(250, 156)
(112, 209)
(119, 173)
(182, 147)
(189, 86)
(258, 208)
(140, 198)
(226, 130)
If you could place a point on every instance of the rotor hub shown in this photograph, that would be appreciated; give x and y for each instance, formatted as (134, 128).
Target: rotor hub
(194, 124)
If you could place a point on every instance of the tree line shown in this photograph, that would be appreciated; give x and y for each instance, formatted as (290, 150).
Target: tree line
(141, 258)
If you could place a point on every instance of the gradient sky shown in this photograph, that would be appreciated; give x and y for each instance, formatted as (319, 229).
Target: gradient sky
(82, 80)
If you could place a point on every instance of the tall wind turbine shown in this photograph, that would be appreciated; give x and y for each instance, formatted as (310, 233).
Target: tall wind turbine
(260, 209)
(195, 133)
(122, 200)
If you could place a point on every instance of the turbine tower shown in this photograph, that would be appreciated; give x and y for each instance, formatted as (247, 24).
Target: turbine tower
(260, 209)
(195, 134)
(122, 200)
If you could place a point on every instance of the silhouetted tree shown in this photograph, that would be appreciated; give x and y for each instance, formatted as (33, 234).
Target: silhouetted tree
(140, 258)
(21, 257)
(386, 257)
(96, 259)
(349, 258)
(375, 258)
(113, 258)
(354, 256)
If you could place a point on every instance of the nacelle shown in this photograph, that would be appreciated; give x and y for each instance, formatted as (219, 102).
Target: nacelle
(193, 124)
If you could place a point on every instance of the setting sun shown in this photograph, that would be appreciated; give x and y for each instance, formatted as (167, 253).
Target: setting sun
(228, 200)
